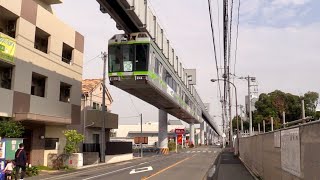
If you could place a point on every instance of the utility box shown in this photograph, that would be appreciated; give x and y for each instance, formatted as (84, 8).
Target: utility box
(8, 148)
(11, 146)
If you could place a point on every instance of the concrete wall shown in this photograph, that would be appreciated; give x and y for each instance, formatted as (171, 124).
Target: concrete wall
(90, 158)
(263, 157)
(6, 97)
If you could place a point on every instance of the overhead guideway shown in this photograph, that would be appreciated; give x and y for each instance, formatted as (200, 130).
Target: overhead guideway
(143, 63)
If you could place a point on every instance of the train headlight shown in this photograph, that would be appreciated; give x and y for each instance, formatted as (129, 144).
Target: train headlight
(141, 77)
(114, 78)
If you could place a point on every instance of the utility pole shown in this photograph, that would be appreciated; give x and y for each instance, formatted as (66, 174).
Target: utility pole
(249, 101)
(230, 115)
(249, 79)
(103, 127)
(141, 149)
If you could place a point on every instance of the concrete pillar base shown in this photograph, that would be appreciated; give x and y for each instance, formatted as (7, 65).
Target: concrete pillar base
(164, 151)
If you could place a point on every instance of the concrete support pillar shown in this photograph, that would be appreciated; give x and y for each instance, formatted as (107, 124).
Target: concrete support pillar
(264, 126)
(207, 134)
(202, 133)
(191, 139)
(163, 132)
(259, 128)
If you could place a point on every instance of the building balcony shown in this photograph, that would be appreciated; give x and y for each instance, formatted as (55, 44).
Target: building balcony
(42, 119)
(93, 119)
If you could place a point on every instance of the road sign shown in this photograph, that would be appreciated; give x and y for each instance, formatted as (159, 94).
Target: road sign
(179, 131)
(179, 139)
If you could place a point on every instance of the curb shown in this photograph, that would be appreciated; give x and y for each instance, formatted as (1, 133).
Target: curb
(254, 175)
(212, 173)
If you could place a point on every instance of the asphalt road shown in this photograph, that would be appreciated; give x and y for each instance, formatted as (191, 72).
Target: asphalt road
(190, 164)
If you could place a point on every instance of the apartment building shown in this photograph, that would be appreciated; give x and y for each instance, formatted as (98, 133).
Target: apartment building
(91, 106)
(40, 74)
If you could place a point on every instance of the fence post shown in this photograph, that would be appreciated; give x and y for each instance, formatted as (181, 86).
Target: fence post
(271, 123)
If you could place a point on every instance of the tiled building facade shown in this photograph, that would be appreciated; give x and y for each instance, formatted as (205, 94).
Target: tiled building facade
(41, 85)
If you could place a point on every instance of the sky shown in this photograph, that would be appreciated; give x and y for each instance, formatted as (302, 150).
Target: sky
(278, 43)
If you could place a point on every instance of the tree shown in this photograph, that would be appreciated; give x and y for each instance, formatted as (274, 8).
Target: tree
(273, 104)
(311, 102)
(73, 140)
(11, 129)
(234, 123)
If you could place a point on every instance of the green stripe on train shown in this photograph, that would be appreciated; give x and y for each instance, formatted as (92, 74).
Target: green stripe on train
(130, 42)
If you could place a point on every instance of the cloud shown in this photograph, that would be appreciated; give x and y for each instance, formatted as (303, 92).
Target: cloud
(278, 13)
(289, 2)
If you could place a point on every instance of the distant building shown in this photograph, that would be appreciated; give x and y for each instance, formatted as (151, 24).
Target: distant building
(254, 99)
(149, 131)
(91, 114)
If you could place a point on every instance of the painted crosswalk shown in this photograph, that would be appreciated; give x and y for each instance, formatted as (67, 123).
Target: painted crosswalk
(195, 151)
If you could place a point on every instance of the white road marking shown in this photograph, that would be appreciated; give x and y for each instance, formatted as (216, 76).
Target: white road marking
(188, 151)
(204, 151)
(139, 170)
(199, 151)
(210, 152)
(84, 171)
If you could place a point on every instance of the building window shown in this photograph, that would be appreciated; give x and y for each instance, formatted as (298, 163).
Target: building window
(38, 85)
(65, 91)
(8, 21)
(94, 105)
(96, 138)
(51, 143)
(67, 53)
(41, 40)
(5, 76)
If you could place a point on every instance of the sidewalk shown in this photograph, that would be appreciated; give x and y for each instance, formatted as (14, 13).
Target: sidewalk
(229, 167)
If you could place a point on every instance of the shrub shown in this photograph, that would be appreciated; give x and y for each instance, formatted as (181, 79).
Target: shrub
(10, 128)
(172, 146)
(32, 171)
(73, 140)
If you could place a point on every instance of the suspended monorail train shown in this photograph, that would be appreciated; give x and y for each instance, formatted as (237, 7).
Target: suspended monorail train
(138, 66)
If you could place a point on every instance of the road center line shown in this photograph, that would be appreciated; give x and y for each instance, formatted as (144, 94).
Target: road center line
(93, 177)
(161, 171)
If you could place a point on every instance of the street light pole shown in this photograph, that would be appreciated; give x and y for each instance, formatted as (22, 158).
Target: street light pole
(237, 119)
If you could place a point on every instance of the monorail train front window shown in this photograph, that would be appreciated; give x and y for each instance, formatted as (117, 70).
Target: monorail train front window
(115, 60)
(128, 58)
(142, 54)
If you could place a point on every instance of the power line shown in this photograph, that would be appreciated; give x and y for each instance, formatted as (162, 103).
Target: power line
(236, 48)
(134, 104)
(220, 52)
(99, 55)
(230, 34)
(214, 45)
